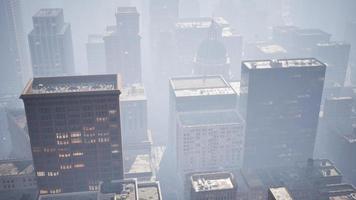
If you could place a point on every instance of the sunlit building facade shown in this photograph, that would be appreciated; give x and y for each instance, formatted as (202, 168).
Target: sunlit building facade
(74, 129)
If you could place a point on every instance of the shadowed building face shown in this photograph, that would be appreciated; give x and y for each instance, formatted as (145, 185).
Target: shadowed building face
(74, 129)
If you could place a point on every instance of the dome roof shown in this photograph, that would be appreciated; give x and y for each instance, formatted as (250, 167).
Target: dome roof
(211, 51)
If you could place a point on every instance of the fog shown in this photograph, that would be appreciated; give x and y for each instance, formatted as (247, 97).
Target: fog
(251, 88)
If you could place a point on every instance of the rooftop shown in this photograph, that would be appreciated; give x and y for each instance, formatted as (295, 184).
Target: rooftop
(200, 86)
(141, 164)
(129, 9)
(200, 22)
(70, 196)
(306, 31)
(120, 189)
(14, 168)
(149, 191)
(209, 118)
(236, 86)
(271, 49)
(71, 84)
(212, 181)
(333, 44)
(49, 12)
(135, 92)
(280, 193)
(344, 197)
(283, 63)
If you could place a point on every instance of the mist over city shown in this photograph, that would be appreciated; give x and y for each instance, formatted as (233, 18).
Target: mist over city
(177, 100)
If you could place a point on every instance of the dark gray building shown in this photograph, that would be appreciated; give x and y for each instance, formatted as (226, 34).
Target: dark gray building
(12, 49)
(74, 129)
(123, 46)
(51, 44)
(336, 56)
(280, 101)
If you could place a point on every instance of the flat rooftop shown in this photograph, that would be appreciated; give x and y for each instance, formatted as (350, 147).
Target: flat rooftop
(49, 12)
(344, 197)
(236, 86)
(128, 9)
(212, 182)
(283, 63)
(14, 168)
(134, 93)
(306, 31)
(141, 164)
(120, 189)
(280, 193)
(71, 196)
(200, 23)
(149, 191)
(271, 49)
(333, 44)
(209, 118)
(71, 84)
(200, 86)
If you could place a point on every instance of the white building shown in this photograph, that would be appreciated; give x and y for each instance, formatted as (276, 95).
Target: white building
(209, 141)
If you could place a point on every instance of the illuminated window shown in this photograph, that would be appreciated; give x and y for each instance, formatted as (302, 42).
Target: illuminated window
(64, 155)
(76, 141)
(75, 134)
(64, 167)
(77, 153)
(53, 173)
(112, 112)
(40, 173)
(79, 165)
(93, 187)
(43, 191)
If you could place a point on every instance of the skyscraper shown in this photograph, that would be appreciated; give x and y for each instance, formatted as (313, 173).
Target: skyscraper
(51, 44)
(14, 66)
(336, 56)
(209, 141)
(163, 15)
(96, 54)
(74, 129)
(123, 46)
(280, 101)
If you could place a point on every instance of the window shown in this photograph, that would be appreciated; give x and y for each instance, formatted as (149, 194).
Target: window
(40, 173)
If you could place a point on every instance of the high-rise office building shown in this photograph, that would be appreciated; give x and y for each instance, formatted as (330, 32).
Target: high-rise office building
(74, 129)
(14, 61)
(204, 126)
(336, 56)
(51, 44)
(196, 94)
(123, 46)
(96, 54)
(163, 15)
(280, 102)
(209, 141)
